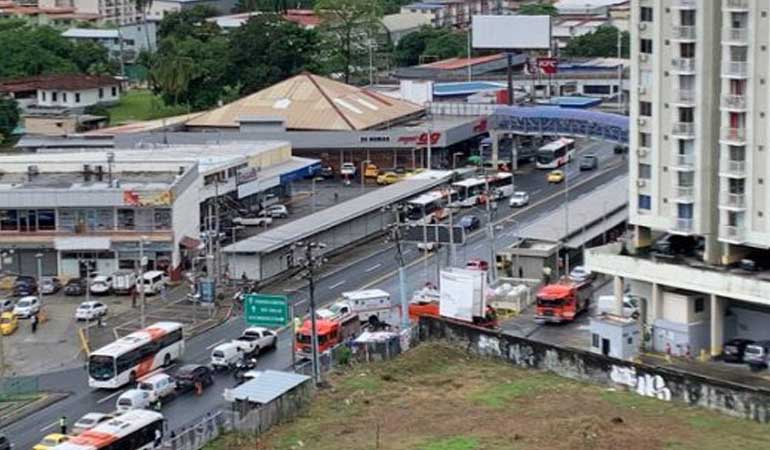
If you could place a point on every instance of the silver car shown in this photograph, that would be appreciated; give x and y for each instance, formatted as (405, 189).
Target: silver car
(757, 355)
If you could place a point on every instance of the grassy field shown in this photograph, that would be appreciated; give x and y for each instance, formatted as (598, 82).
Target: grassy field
(138, 105)
(437, 398)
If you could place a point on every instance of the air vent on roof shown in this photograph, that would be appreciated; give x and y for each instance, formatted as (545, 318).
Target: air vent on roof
(32, 171)
(86, 172)
(99, 172)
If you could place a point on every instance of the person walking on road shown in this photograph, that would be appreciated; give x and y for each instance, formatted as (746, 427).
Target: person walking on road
(63, 424)
(33, 321)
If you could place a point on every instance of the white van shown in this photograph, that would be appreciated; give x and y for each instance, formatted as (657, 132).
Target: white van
(158, 386)
(123, 281)
(133, 399)
(152, 282)
(605, 304)
(226, 356)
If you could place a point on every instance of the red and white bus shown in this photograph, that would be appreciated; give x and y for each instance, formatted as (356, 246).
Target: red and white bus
(135, 355)
(555, 154)
(430, 207)
(136, 429)
(472, 191)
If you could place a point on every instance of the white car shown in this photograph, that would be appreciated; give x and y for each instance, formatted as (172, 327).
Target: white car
(519, 199)
(90, 310)
(133, 399)
(101, 285)
(89, 421)
(348, 169)
(27, 307)
(580, 274)
(276, 212)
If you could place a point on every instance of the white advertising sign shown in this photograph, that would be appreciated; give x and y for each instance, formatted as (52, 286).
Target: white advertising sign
(462, 294)
(512, 32)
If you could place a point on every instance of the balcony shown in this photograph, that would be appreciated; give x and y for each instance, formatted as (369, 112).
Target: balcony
(732, 168)
(685, 162)
(736, 136)
(730, 200)
(732, 234)
(683, 129)
(736, 5)
(685, 194)
(684, 4)
(683, 65)
(735, 36)
(683, 33)
(734, 102)
(684, 226)
(735, 69)
(684, 97)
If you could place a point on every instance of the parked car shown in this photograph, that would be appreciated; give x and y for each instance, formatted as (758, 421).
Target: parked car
(388, 178)
(75, 286)
(159, 386)
(371, 171)
(555, 176)
(469, 222)
(605, 304)
(88, 421)
(589, 162)
(620, 149)
(123, 281)
(26, 307)
(477, 264)
(50, 285)
(8, 323)
(6, 304)
(101, 285)
(276, 212)
(188, 375)
(735, 349)
(50, 441)
(519, 199)
(264, 338)
(133, 399)
(757, 354)
(348, 170)
(580, 274)
(326, 171)
(90, 310)
(253, 221)
(24, 285)
(5, 444)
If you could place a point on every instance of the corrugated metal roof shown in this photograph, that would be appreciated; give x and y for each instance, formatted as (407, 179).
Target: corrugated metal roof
(312, 224)
(91, 33)
(265, 387)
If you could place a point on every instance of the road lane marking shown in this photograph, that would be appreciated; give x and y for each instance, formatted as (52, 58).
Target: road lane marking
(336, 285)
(214, 345)
(104, 399)
(478, 246)
(374, 267)
(49, 426)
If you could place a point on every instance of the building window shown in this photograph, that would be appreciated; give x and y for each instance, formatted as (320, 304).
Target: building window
(9, 220)
(114, 91)
(64, 97)
(46, 220)
(645, 14)
(645, 109)
(101, 92)
(630, 340)
(162, 219)
(645, 202)
(645, 171)
(594, 340)
(699, 305)
(54, 96)
(645, 140)
(43, 95)
(126, 219)
(645, 46)
(77, 97)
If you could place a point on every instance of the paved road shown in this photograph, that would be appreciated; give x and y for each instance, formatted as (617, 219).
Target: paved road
(376, 269)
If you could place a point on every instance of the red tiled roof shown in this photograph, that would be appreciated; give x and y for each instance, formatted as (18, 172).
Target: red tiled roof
(304, 17)
(458, 63)
(65, 82)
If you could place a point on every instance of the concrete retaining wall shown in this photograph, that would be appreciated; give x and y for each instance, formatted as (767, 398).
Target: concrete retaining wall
(650, 381)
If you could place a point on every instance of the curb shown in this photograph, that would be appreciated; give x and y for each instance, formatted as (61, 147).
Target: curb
(47, 400)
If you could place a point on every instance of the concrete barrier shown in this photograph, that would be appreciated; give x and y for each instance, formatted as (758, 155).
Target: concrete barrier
(663, 383)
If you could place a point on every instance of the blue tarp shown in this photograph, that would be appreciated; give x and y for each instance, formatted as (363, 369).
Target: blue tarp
(575, 102)
(465, 88)
(552, 120)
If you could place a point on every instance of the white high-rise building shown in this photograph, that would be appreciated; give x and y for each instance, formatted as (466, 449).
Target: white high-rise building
(699, 166)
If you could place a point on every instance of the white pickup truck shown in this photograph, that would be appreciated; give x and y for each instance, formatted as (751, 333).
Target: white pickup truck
(256, 339)
(253, 221)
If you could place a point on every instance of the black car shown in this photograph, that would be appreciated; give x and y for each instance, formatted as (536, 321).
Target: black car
(189, 375)
(75, 286)
(734, 350)
(326, 172)
(4, 443)
(620, 149)
(469, 222)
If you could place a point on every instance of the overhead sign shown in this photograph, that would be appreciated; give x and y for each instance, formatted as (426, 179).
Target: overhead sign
(207, 290)
(433, 233)
(266, 310)
(512, 32)
(548, 66)
(134, 198)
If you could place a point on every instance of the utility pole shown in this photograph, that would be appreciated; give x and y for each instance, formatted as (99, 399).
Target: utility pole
(143, 287)
(470, 66)
(397, 238)
(428, 165)
(311, 261)
(490, 226)
(620, 71)
(566, 221)
(218, 254)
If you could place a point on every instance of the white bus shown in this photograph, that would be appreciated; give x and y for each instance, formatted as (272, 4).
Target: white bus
(471, 191)
(136, 429)
(135, 355)
(430, 207)
(555, 154)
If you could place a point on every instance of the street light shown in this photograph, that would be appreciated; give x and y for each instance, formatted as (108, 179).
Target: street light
(142, 264)
(310, 261)
(454, 159)
(39, 257)
(235, 229)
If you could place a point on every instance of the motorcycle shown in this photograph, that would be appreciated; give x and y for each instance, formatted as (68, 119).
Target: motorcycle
(243, 366)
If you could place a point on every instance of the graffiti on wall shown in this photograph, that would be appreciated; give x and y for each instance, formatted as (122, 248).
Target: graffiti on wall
(644, 384)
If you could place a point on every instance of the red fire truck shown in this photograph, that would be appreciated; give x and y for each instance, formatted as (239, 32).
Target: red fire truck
(330, 334)
(562, 301)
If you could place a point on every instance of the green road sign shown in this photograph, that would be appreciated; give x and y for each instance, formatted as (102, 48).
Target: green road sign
(266, 310)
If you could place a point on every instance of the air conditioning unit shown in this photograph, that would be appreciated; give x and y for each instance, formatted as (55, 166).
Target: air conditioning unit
(642, 90)
(642, 26)
(641, 152)
(641, 121)
(641, 183)
(643, 57)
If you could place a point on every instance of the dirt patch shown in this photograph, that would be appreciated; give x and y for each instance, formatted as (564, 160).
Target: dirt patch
(436, 397)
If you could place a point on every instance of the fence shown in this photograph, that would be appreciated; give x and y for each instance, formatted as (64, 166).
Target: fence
(11, 387)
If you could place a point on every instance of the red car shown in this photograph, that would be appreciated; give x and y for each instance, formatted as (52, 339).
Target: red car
(477, 264)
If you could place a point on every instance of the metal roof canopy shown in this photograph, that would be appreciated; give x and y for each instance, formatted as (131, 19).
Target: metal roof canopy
(312, 224)
(584, 211)
(265, 387)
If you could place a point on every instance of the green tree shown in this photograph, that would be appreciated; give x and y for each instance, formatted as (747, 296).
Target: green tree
(447, 45)
(430, 42)
(189, 23)
(537, 9)
(174, 71)
(268, 49)
(601, 43)
(9, 117)
(350, 26)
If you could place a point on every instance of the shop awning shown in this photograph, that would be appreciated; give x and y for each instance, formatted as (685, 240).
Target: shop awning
(189, 243)
(82, 243)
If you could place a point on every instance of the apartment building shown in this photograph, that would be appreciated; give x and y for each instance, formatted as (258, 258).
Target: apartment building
(113, 11)
(698, 169)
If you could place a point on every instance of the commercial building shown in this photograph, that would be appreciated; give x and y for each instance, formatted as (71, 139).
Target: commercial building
(699, 199)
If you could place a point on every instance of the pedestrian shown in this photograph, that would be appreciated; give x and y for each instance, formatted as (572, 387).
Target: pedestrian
(158, 405)
(99, 321)
(163, 291)
(158, 437)
(336, 196)
(521, 272)
(33, 321)
(198, 388)
(63, 424)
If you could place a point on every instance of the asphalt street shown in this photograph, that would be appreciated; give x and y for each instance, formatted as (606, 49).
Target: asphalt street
(376, 270)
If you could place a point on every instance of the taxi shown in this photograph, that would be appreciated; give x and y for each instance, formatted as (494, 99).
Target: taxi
(555, 176)
(8, 323)
(51, 441)
(388, 178)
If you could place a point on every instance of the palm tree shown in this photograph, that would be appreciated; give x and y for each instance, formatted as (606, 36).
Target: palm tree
(173, 76)
(143, 6)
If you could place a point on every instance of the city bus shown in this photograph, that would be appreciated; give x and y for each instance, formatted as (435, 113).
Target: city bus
(555, 154)
(471, 191)
(430, 207)
(135, 355)
(136, 429)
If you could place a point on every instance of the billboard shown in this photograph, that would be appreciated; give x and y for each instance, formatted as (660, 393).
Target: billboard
(136, 198)
(512, 32)
(462, 294)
